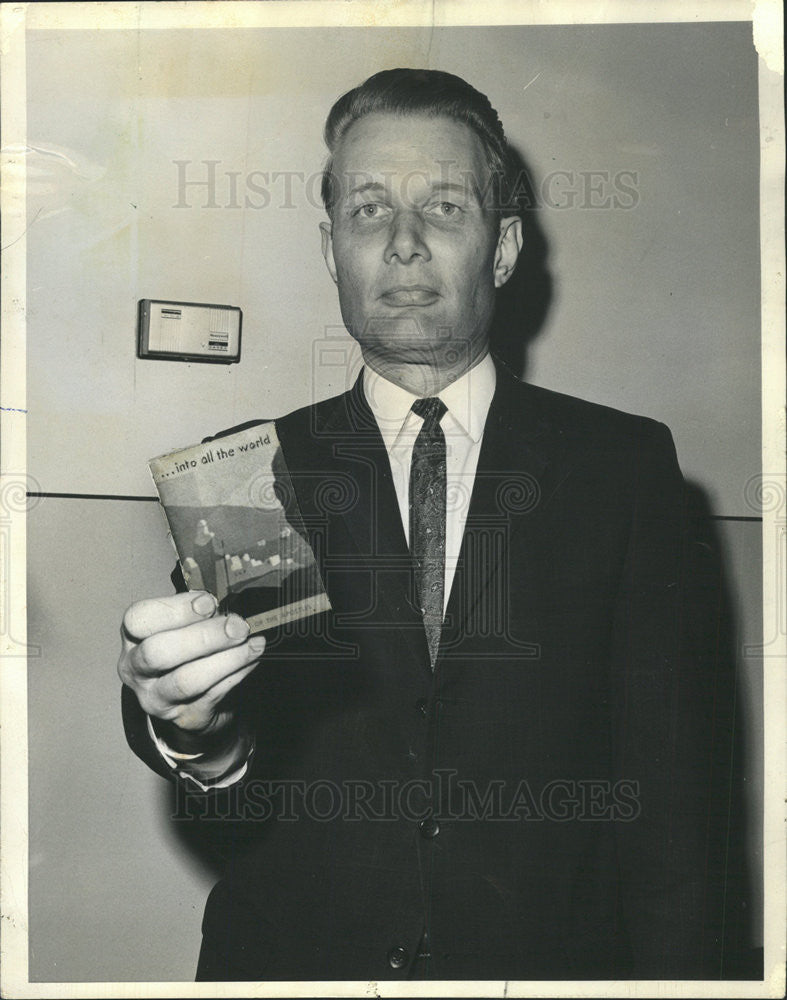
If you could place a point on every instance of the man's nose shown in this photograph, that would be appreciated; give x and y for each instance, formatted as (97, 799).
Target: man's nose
(406, 240)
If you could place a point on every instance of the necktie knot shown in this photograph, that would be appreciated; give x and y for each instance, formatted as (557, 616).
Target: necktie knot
(431, 409)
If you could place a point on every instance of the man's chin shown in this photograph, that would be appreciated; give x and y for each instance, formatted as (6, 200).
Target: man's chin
(423, 363)
(440, 355)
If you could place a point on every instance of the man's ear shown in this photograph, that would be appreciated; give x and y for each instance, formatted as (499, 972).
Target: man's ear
(326, 234)
(509, 243)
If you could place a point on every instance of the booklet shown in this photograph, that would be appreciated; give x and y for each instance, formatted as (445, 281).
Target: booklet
(236, 527)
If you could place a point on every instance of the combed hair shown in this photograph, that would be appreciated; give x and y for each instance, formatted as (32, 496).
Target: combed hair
(426, 92)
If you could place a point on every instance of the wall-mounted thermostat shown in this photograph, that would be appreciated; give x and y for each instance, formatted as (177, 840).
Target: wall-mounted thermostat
(188, 331)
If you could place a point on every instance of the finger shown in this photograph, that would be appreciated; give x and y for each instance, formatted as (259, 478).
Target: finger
(162, 614)
(196, 713)
(193, 680)
(163, 651)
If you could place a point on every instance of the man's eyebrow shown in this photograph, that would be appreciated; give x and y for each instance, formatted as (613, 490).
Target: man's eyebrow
(449, 187)
(437, 187)
(374, 186)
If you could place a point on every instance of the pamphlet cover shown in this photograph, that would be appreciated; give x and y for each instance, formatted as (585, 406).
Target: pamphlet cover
(236, 527)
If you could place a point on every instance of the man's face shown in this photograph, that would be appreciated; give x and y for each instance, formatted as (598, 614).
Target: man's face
(415, 252)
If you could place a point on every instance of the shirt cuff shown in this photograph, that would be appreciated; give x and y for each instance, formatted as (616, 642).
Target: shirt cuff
(174, 759)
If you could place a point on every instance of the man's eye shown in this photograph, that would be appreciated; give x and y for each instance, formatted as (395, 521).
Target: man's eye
(445, 209)
(371, 210)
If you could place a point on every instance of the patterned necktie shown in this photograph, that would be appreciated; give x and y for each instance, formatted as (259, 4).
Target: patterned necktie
(427, 517)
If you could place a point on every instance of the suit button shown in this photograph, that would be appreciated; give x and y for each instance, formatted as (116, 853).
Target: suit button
(421, 706)
(397, 958)
(429, 827)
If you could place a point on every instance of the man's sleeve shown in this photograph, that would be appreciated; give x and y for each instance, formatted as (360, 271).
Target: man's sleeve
(680, 859)
(135, 723)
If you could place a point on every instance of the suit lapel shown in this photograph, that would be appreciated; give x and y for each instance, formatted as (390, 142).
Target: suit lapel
(351, 493)
(520, 465)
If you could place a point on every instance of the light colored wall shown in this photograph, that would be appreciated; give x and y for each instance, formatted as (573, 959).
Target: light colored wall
(655, 310)
(113, 896)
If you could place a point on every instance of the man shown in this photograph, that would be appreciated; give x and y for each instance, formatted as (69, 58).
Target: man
(505, 751)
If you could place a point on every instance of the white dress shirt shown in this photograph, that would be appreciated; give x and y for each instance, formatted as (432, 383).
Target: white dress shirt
(467, 401)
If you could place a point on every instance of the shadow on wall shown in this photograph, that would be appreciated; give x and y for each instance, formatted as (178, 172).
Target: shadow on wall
(523, 302)
(713, 638)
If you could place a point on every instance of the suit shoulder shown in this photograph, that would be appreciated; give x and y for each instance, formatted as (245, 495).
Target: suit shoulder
(590, 439)
(582, 420)
(315, 414)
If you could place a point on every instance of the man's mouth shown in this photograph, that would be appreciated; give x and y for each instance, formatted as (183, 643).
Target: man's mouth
(410, 295)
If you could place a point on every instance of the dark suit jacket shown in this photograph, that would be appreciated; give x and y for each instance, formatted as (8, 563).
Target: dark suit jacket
(571, 753)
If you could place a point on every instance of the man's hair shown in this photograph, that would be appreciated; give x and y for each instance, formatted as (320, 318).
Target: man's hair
(425, 92)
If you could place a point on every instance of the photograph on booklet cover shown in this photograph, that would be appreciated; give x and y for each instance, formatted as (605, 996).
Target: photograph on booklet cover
(237, 531)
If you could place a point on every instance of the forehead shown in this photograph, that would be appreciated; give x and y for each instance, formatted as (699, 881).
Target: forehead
(393, 145)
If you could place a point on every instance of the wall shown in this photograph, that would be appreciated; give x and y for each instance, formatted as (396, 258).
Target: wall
(654, 308)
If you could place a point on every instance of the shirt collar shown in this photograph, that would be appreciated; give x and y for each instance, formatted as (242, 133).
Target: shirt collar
(467, 401)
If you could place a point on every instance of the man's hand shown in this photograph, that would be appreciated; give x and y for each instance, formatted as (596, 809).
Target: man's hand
(181, 659)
